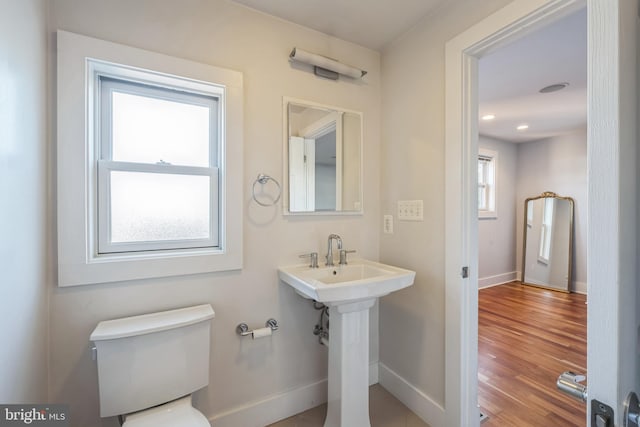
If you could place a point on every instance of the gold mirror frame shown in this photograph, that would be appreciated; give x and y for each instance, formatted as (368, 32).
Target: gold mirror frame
(545, 195)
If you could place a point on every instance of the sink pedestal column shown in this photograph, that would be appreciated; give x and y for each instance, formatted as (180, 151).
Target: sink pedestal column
(348, 396)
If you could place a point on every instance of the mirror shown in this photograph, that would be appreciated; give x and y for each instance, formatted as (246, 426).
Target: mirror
(323, 159)
(548, 241)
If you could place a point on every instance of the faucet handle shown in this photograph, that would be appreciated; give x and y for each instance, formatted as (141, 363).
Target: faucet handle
(313, 259)
(343, 256)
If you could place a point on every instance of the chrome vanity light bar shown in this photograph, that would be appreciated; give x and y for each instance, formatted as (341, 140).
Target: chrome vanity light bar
(325, 67)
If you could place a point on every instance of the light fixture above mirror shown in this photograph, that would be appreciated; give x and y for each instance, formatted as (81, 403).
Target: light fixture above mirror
(322, 151)
(325, 67)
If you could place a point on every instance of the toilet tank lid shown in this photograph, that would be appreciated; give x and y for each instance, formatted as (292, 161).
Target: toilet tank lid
(152, 322)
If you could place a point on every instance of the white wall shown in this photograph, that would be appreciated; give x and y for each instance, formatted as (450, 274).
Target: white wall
(24, 260)
(497, 236)
(243, 371)
(557, 164)
(412, 321)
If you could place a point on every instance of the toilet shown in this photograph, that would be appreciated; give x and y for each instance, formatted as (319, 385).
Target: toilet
(149, 365)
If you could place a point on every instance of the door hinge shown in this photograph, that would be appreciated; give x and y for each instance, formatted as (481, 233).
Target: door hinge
(465, 272)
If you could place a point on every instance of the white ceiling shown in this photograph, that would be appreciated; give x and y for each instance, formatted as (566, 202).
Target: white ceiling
(510, 77)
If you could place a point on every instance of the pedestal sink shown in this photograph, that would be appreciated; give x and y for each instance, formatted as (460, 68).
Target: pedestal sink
(349, 291)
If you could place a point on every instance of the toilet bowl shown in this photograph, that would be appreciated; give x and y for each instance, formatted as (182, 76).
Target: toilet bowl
(178, 413)
(149, 365)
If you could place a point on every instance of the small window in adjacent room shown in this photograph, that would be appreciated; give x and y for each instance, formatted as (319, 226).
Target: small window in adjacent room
(149, 162)
(487, 177)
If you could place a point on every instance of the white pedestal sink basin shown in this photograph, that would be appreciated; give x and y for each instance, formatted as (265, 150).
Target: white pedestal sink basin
(349, 291)
(360, 279)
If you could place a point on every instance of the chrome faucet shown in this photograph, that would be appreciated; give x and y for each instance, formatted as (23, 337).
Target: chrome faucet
(330, 250)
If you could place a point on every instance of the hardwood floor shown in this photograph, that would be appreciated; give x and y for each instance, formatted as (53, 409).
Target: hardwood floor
(526, 337)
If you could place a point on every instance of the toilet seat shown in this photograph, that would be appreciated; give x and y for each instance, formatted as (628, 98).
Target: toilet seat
(178, 413)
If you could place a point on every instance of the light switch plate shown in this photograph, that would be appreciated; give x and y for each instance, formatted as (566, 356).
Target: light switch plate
(410, 210)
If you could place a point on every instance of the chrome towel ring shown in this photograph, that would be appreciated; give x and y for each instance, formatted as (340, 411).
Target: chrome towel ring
(263, 180)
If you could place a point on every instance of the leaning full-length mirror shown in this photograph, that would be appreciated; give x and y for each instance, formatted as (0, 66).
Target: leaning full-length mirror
(323, 159)
(548, 237)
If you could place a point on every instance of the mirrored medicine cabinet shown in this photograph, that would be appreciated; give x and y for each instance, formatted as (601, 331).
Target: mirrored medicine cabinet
(322, 159)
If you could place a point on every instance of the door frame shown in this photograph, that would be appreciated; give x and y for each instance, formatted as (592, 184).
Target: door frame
(611, 207)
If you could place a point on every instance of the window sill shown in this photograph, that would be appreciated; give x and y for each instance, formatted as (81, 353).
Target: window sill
(487, 215)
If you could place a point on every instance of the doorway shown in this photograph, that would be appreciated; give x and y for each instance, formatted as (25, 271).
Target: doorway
(532, 140)
(612, 159)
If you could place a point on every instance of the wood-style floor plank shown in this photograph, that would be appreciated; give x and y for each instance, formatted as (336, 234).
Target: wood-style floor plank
(527, 336)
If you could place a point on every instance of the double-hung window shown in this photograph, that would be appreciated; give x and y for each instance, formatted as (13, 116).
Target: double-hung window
(149, 164)
(487, 176)
(158, 168)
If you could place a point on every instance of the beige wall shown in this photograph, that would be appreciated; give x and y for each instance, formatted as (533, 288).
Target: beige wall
(412, 321)
(223, 34)
(24, 260)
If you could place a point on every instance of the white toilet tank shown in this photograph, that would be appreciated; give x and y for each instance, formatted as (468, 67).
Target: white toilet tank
(148, 360)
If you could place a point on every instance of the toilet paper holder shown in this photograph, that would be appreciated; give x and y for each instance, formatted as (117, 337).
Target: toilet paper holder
(243, 329)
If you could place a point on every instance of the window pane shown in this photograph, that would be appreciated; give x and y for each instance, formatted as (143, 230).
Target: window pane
(150, 130)
(154, 207)
(482, 198)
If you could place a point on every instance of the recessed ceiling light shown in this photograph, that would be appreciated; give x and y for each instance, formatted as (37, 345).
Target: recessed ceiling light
(523, 127)
(554, 87)
(488, 117)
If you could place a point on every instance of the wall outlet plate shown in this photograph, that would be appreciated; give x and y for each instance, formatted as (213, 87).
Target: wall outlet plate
(387, 225)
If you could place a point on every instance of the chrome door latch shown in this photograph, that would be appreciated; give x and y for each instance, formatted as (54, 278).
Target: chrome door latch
(570, 383)
(601, 414)
(465, 272)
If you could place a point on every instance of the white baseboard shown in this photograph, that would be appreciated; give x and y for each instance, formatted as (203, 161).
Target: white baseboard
(422, 405)
(281, 405)
(273, 408)
(499, 279)
(577, 287)
(580, 287)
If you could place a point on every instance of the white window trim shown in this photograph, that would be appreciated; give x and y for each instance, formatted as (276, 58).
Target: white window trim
(491, 213)
(149, 84)
(78, 262)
